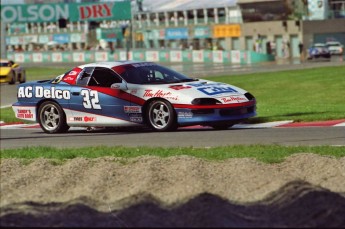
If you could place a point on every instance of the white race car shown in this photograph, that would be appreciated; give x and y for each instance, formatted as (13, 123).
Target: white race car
(127, 93)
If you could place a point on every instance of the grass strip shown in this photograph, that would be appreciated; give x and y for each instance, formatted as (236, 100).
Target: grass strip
(264, 153)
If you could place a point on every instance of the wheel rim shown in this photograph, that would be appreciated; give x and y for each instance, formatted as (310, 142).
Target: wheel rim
(159, 115)
(50, 117)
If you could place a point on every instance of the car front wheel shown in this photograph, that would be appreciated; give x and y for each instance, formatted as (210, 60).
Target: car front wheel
(52, 119)
(22, 77)
(13, 78)
(161, 116)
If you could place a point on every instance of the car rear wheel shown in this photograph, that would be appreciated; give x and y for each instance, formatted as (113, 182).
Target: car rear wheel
(161, 116)
(52, 118)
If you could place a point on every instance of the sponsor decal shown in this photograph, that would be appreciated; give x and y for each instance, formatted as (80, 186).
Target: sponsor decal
(22, 113)
(71, 77)
(234, 99)
(133, 91)
(40, 92)
(76, 119)
(73, 73)
(89, 119)
(135, 118)
(213, 88)
(95, 11)
(143, 65)
(179, 87)
(185, 114)
(132, 109)
(159, 93)
(216, 90)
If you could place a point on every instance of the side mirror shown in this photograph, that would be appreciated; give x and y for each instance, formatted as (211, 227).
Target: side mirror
(119, 86)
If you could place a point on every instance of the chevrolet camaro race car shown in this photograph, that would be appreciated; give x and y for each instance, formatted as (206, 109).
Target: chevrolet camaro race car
(318, 50)
(11, 72)
(128, 93)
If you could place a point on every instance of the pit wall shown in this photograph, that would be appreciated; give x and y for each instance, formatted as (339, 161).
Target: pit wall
(191, 56)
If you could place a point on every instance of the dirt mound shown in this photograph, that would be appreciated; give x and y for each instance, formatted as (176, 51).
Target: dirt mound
(304, 190)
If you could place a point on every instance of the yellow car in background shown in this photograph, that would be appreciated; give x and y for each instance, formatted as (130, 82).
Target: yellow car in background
(11, 72)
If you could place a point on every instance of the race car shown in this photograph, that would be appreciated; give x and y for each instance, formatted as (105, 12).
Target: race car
(131, 93)
(335, 47)
(11, 72)
(318, 50)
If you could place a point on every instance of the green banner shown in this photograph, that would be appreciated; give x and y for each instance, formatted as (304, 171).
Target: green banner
(17, 28)
(109, 34)
(73, 12)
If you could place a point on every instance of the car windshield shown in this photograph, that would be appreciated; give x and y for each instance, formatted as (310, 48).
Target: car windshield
(150, 73)
(333, 44)
(4, 64)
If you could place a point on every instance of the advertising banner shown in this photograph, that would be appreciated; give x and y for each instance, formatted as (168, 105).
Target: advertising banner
(17, 28)
(217, 56)
(52, 12)
(78, 57)
(164, 56)
(16, 40)
(226, 31)
(19, 57)
(202, 32)
(57, 57)
(176, 33)
(318, 9)
(138, 55)
(30, 39)
(176, 56)
(198, 56)
(235, 56)
(109, 34)
(78, 37)
(101, 56)
(61, 38)
(37, 57)
(43, 39)
(187, 56)
(89, 56)
(152, 56)
(208, 58)
(67, 57)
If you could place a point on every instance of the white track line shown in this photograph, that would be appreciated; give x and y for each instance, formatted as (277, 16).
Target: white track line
(340, 124)
(262, 125)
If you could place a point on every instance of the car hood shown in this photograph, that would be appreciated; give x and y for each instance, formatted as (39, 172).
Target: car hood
(5, 70)
(185, 93)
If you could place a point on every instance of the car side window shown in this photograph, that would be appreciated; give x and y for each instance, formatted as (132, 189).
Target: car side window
(84, 76)
(103, 77)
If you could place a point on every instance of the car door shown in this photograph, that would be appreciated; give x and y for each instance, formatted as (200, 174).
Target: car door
(94, 101)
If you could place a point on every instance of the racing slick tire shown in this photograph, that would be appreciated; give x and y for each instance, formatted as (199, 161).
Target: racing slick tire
(13, 78)
(161, 116)
(52, 118)
(22, 77)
